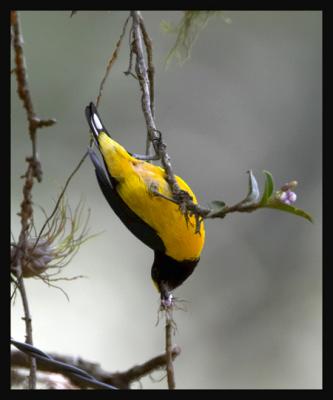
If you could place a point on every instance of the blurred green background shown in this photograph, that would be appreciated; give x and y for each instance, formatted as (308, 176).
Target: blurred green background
(249, 98)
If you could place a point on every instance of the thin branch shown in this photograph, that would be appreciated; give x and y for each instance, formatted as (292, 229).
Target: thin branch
(130, 63)
(34, 170)
(28, 324)
(121, 380)
(168, 350)
(24, 94)
(139, 371)
(142, 74)
(111, 62)
(151, 72)
(151, 68)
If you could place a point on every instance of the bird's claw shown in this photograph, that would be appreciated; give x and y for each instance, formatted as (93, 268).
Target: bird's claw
(167, 301)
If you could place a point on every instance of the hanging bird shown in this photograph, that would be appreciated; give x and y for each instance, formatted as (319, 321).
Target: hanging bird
(138, 193)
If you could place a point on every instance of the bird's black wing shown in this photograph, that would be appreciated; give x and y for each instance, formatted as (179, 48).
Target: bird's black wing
(135, 224)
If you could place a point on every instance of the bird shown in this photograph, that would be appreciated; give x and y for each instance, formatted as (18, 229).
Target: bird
(139, 194)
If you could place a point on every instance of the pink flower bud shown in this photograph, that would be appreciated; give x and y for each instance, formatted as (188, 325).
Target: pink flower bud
(288, 197)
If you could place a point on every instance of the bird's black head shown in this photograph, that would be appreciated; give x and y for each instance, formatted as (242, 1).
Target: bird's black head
(168, 273)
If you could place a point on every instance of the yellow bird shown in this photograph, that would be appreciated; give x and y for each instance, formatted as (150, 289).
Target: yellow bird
(138, 193)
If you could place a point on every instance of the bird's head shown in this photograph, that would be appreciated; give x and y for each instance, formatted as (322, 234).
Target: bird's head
(168, 273)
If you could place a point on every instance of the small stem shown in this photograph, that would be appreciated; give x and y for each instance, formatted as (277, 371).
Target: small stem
(142, 74)
(168, 350)
(148, 148)
(151, 72)
(151, 68)
(20, 71)
(34, 170)
(111, 62)
(23, 91)
(141, 71)
(28, 330)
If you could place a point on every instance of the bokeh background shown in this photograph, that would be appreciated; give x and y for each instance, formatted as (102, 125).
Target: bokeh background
(249, 98)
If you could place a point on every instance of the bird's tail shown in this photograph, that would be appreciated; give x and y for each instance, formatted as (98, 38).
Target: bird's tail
(95, 122)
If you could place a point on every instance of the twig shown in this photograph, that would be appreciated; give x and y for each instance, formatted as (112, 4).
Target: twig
(168, 349)
(28, 325)
(142, 74)
(34, 170)
(121, 380)
(24, 94)
(151, 68)
(111, 62)
(138, 371)
(130, 62)
(151, 72)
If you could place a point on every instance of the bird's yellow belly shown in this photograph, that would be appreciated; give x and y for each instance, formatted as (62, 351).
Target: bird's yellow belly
(180, 240)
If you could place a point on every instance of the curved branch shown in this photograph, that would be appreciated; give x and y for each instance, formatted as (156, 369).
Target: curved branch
(121, 380)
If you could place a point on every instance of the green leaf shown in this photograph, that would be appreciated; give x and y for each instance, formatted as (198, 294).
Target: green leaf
(268, 190)
(253, 194)
(291, 209)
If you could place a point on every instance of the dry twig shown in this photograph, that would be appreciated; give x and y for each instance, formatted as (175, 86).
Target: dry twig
(121, 380)
(168, 349)
(151, 72)
(111, 62)
(24, 94)
(34, 170)
(142, 74)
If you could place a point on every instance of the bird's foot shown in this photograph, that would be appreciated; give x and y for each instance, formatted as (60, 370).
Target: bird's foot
(167, 301)
(154, 191)
(144, 157)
